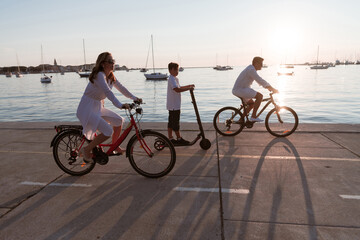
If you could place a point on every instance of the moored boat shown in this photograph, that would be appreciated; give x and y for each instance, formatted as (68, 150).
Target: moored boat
(155, 75)
(84, 74)
(45, 79)
(222, 68)
(320, 67)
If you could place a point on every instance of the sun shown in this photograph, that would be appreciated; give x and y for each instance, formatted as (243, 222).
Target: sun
(284, 40)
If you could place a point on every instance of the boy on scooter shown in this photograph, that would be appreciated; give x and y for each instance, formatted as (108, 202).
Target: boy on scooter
(173, 104)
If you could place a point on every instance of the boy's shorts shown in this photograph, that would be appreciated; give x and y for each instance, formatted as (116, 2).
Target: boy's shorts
(174, 120)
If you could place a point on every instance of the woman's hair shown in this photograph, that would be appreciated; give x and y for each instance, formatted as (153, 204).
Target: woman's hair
(99, 68)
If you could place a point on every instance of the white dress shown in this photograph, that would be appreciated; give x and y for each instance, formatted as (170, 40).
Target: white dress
(91, 112)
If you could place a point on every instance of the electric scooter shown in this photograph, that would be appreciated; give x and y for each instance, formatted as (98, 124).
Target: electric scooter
(204, 143)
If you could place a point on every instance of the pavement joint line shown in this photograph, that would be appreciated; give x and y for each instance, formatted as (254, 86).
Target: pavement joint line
(199, 189)
(55, 184)
(220, 186)
(293, 158)
(356, 197)
(292, 223)
(341, 145)
(273, 157)
(32, 152)
(230, 156)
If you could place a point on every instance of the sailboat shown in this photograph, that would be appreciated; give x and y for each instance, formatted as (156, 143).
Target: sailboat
(8, 74)
(147, 58)
(222, 68)
(18, 74)
(155, 75)
(44, 79)
(84, 72)
(317, 66)
(181, 69)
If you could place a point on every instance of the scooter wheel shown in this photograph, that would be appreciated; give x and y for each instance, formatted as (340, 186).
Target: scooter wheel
(159, 144)
(205, 144)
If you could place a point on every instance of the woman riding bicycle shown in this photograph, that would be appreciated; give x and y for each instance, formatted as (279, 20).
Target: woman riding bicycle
(242, 88)
(91, 111)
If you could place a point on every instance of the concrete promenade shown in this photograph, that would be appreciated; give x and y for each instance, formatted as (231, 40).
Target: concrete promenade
(251, 186)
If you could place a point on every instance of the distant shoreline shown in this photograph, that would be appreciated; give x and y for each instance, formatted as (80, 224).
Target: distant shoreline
(76, 68)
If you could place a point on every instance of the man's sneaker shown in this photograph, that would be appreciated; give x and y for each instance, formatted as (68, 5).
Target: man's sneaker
(173, 141)
(256, 119)
(182, 141)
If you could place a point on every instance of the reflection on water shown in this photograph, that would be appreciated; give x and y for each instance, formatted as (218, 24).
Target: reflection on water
(329, 95)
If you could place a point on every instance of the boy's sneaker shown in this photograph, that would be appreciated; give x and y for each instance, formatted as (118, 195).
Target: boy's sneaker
(256, 119)
(182, 141)
(173, 141)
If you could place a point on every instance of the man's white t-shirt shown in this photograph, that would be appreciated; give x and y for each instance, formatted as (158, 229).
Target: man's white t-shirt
(247, 77)
(244, 81)
(173, 98)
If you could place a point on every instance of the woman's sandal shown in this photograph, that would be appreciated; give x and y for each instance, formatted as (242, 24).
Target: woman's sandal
(86, 159)
(118, 151)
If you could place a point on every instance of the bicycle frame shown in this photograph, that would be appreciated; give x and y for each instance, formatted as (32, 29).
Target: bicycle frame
(269, 100)
(123, 136)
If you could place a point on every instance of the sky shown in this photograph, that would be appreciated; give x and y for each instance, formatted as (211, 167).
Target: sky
(195, 33)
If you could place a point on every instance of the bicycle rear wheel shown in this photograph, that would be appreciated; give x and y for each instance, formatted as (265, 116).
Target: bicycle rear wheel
(281, 123)
(228, 121)
(153, 156)
(66, 153)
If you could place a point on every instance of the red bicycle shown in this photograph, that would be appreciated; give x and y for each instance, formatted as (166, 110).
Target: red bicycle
(150, 153)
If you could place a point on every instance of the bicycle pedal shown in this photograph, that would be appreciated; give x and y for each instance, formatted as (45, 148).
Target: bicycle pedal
(249, 124)
(114, 153)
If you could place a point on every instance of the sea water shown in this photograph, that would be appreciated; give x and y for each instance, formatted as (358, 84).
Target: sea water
(318, 96)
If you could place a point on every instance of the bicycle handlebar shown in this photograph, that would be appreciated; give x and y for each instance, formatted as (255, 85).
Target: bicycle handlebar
(271, 93)
(133, 105)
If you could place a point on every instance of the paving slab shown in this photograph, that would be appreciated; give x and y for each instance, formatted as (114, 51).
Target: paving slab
(350, 141)
(117, 207)
(261, 230)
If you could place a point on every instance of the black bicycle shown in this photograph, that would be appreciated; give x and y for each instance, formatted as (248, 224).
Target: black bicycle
(281, 121)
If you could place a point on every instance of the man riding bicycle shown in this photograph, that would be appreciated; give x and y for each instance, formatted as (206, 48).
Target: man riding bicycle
(242, 88)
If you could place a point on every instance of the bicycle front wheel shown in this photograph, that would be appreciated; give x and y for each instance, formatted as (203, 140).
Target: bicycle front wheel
(281, 123)
(228, 121)
(66, 153)
(152, 154)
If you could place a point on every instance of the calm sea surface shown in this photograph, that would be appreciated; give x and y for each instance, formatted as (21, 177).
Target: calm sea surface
(318, 96)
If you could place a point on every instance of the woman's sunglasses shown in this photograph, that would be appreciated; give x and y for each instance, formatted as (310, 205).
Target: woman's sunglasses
(112, 61)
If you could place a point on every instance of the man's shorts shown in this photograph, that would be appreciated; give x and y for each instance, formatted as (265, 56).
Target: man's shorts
(245, 93)
(174, 120)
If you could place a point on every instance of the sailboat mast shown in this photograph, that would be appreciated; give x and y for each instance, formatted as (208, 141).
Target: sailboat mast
(147, 58)
(152, 47)
(84, 54)
(317, 58)
(42, 59)
(17, 60)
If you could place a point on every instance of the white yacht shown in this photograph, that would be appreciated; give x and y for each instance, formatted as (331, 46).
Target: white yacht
(155, 75)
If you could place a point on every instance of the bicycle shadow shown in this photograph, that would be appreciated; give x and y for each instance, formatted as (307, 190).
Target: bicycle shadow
(277, 193)
(37, 204)
(124, 190)
(279, 175)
